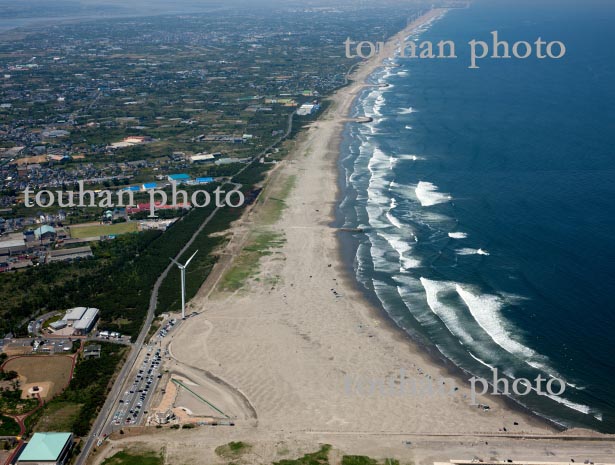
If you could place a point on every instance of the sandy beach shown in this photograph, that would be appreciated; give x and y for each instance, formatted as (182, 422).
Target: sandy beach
(285, 351)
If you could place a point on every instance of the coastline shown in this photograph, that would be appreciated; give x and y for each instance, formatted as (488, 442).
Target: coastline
(347, 247)
(348, 240)
(289, 339)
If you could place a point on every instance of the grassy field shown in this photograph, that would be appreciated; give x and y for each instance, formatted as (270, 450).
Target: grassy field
(94, 230)
(50, 371)
(58, 417)
(126, 458)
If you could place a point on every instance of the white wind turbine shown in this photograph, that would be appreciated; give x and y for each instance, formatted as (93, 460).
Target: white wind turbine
(182, 269)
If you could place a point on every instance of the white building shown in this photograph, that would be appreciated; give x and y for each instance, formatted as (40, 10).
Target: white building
(74, 314)
(202, 158)
(82, 319)
(86, 322)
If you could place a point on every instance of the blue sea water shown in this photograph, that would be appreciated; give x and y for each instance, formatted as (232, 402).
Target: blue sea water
(487, 199)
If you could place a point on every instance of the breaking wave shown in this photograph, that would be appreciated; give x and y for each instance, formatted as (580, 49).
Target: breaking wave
(427, 193)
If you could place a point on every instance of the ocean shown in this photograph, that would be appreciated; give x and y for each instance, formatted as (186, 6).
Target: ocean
(486, 197)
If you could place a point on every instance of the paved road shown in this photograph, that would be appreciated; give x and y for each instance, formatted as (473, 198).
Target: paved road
(104, 422)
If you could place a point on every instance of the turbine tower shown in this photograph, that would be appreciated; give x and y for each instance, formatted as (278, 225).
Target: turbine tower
(182, 269)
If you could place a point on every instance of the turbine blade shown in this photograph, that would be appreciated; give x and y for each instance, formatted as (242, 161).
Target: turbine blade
(176, 262)
(190, 259)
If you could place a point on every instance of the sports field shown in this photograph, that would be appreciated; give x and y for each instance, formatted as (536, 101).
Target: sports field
(50, 373)
(95, 230)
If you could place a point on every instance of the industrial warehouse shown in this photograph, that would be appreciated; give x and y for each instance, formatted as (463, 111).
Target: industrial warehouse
(77, 321)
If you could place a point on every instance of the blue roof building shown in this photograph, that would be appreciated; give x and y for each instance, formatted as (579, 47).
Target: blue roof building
(204, 180)
(182, 177)
(150, 185)
(47, 448)
(133, 188)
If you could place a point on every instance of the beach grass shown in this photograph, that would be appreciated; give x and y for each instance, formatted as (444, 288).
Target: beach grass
(263, 241)
(321, 457)
(246, 265)
(233, 449)
(358, 460)
(275, 196)
(143, 458)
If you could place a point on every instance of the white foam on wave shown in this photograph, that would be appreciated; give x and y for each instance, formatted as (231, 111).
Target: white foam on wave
(372, 105)
(457, 235)
(446, 313)
(407, 111)
(408, 127)
(378, 158)
(427, 193)
(571, 405)
(394, 221)
(409, 157)
(379, 204)
(585, 409)
(402, 249)
(379, 103)
(402, 73)
(540, 366)
(468, 251)
(486, 310)
(482, 362)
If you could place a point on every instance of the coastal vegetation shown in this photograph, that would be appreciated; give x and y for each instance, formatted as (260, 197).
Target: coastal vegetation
(246, 265)
(320, 457)
(263, 240)
(233, 449)
(135, 458)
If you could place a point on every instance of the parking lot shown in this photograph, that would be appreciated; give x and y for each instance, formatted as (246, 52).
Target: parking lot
(132, 406)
